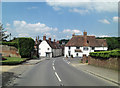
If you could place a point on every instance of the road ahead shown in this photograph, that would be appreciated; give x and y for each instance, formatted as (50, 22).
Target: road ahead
(56, 72)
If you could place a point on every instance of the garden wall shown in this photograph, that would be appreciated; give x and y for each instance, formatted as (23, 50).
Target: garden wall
(111, 63)
(9, 51)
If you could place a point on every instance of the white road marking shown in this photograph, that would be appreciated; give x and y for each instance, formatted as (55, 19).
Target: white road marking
(53, 64)
(53, 68)
(58, 77)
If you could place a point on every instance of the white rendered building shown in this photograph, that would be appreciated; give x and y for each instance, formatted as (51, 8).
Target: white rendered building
(48, 48)
(80, 45)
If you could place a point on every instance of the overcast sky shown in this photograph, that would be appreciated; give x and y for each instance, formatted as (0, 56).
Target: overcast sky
(60, 19)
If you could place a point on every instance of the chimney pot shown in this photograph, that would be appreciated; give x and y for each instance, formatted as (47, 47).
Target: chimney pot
(49, 39)
(73, 34)
(44, 37)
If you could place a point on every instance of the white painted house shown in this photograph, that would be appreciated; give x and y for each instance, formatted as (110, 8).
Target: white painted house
(80, 45)
(48, 48)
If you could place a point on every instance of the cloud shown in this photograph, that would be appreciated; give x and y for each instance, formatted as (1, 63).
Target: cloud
(69, 31)
(7, 24)
(105, 21)
(23, 35)
(56, 8)
(116, 19)
(80, 11)
(103, 36)
(90, 5)
(24, 29)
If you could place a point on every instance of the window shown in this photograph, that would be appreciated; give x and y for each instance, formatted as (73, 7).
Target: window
(85, 48)
(48, 48)
(69, 53)
(77, 54)
(69, 47)
(93, 48)
(77, 47)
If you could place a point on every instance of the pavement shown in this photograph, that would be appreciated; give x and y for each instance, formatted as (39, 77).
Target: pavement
(58, 72)
(107, 74)
(10, 73)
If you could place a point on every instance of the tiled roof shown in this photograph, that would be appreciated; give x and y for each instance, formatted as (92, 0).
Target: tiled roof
(79, 40)
(54, 45)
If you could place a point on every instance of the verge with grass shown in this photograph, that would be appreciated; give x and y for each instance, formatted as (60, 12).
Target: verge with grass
(13, 60)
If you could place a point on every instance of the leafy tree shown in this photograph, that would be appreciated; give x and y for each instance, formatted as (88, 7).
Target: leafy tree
(3, 36)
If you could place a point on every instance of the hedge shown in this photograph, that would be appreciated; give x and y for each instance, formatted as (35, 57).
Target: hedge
(15, 44)
(25, 46)
(106, 54)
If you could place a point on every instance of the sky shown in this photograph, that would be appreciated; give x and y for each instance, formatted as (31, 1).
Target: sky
(60, 19)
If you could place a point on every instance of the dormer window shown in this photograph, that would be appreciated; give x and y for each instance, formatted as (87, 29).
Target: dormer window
(77, 47)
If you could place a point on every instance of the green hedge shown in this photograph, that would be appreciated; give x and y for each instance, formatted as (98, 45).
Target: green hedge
(15, 44)
(106, 54)
(26, 46)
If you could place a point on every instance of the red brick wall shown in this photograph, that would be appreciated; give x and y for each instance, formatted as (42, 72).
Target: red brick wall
(9, 51)
(111, 63)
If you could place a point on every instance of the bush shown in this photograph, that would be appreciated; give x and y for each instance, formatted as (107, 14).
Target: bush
(26, 46)
(106, 54)
(15, 44)
(34, 57)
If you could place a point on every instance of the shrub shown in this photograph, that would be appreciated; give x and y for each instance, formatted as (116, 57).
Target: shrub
(15, 44)
(106, 54)
(26, 46)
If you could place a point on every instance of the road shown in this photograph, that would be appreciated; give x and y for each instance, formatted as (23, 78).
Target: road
(57, 72)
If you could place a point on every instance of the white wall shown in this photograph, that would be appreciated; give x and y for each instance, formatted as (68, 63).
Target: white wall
(80, 54)
(43, 48)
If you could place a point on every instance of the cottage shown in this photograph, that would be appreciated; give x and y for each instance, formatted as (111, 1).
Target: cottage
(48, 48)
(80, 45)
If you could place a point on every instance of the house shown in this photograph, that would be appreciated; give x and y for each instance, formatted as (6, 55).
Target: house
(80, 45)
(48, 48)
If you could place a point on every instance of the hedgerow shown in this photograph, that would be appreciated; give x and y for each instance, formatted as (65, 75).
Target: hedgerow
(106, 54)
(26, 45)
(15, 44)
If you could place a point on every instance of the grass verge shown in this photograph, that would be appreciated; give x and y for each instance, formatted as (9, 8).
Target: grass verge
(13, 60)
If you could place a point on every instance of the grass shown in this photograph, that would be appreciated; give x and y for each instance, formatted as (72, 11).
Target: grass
(13, 60)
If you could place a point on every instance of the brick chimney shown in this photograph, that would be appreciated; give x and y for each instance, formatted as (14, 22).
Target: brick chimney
(49, 39)
(44, 37)
(85, 38)
(54, 40)
(73, 34)
(57, 41)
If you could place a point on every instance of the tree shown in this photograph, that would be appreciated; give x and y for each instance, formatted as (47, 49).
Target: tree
(3, 36)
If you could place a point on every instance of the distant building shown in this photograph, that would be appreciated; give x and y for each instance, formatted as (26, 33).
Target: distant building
(48, 48)
(80, 45)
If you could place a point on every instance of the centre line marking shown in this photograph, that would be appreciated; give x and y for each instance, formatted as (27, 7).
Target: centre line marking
(53, 64)
(53, 68)
(58, 77)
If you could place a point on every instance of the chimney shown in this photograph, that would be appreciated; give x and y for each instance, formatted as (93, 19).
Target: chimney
(44, 37)
(54, 40)
(57, 41)
(85, 38)
(49, 39)
(85, 33)
(73, 34)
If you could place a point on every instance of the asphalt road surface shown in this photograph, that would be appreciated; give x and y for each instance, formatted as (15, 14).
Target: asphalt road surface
(58, 72)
